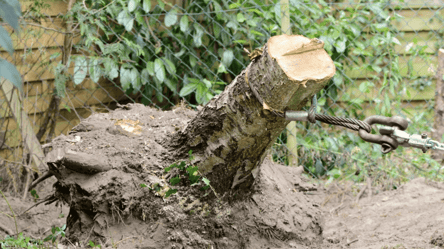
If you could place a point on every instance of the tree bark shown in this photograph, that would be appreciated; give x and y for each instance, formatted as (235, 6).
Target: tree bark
(230, 135)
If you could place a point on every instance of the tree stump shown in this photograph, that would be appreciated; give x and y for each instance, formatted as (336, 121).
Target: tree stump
(234, 130)
(111, 167)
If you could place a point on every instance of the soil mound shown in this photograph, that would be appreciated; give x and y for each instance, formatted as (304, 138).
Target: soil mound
(111, 172)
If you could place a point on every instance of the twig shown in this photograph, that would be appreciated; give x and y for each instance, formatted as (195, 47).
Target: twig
(50, 199)
(351, 242)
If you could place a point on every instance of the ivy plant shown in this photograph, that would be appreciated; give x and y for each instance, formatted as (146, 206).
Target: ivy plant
(194, 50)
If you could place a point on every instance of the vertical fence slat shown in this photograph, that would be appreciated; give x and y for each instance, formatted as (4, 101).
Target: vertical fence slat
(24, 124)
(439, 106)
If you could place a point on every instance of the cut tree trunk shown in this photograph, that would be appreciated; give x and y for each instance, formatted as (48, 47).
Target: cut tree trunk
(111, 167)
(230, 135)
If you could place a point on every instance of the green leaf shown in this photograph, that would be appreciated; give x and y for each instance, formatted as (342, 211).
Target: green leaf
(319, 167)
(48, 238)
(240, 41)
(158, 49)
(240, 17)
(216, 29)
(94, 70)
(159, 70)
(171, 17)
(125, 78)
(167, 169)
(146, 5)
(159, 89)
(234, 5)
(207, 83)
(364, 86)
(114, 71)
(34, 193)
(256, 33)
(132, 5)
(184, 23)
(180, 53)
(170, 66)
(143, 185)
(192, 170)
(396, 41)
(150, 67)
(170, 191)
(9, 72)
(186, 90)
(252, 23)
(376, 68)
(144, 76)
(340, 45)
(60, 80)
(5, 40)
(200, 93)
(54, 56)
(277, 12)
(193, 61)
(174, 180)
(135, 79)
(221, 69)
(197, 38)
(227, 58)
(233, 25)
(161, 4)
(256, 11)
(80, 69)
(206, 181)
(171, 84)
(182, 165)
(126, 20)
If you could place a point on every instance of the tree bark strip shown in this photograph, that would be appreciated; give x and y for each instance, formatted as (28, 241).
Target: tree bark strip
(231, 134)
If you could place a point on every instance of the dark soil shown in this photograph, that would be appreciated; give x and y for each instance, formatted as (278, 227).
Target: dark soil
(284, 209)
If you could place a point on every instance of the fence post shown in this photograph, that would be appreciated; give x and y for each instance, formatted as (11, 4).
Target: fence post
(292, 144)
(24, 124)
(439, 106)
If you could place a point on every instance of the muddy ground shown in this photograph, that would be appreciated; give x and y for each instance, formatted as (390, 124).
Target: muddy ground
(285, 210)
